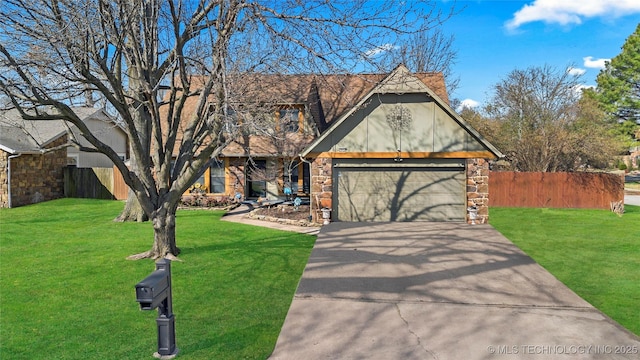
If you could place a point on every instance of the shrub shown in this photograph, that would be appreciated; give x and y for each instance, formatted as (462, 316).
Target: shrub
(199, 200)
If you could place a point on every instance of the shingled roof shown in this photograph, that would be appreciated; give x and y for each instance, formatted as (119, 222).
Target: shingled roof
(18, 135)
(326, 97)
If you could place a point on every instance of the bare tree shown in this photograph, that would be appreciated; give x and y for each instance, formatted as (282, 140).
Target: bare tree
(426, 51)
(286, 138)
(148, 58)
(544, 124)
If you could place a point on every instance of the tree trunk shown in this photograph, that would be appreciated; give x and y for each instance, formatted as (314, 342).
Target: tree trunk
(164, 237)
(132, 210)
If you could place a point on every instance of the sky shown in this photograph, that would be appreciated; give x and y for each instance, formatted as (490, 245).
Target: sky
(492, 38)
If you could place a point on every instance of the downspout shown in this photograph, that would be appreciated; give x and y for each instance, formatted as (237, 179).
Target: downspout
(9, 178)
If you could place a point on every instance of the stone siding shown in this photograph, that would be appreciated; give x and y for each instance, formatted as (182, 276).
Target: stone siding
(4, 186)
(321, 187)
(478, 188)
(34, 177)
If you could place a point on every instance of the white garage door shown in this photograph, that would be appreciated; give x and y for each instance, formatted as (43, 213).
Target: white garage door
(411, 194)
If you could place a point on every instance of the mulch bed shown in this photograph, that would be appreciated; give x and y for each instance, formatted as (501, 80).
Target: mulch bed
(285, 212)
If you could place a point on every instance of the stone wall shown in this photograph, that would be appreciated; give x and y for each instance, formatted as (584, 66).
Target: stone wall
(321, 187)
(478, 189)
(34, 177)
(4, 186)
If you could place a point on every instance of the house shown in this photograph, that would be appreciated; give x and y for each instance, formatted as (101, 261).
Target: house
(33, 154)
(368, 147)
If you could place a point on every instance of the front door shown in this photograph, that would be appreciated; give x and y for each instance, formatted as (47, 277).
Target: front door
(256, 178)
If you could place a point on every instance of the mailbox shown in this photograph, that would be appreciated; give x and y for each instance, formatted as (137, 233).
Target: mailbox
(151, 291)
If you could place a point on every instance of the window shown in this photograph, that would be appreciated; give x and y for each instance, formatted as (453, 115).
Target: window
(216, 172)
(291, 180)
(299, 170)
(290, 120)
(72, 160)
(306, 178)
(199, 187)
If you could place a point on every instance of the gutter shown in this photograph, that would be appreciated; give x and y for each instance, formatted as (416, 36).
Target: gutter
(9, 178)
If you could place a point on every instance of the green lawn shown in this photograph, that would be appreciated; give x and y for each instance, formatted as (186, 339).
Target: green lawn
(594, 252)
(67, 292)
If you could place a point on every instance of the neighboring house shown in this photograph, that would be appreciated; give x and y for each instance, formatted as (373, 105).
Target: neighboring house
(369, 147)
(33, 154)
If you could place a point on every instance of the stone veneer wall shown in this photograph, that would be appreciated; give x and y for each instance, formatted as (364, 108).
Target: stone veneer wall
(321, 187)
(478, 188)
(34, 177)
(4, 186)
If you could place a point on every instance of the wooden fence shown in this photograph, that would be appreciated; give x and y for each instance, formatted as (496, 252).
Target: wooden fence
(94, 183)
(555, 190)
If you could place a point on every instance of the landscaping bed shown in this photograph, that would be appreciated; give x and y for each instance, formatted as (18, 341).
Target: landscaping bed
(286, 214)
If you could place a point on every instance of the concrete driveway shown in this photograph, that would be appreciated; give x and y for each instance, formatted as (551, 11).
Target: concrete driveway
(632, 200)
(438, 291)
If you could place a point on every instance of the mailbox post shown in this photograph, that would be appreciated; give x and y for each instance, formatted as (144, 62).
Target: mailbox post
(152, 292)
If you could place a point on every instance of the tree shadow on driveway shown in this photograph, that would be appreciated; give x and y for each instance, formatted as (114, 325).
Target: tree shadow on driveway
(432, 290)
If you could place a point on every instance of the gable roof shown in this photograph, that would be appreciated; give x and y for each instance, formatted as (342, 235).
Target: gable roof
(402, 81)
(18, 135)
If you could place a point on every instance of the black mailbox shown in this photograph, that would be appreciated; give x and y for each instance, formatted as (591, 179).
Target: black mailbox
(151, 291)
(155, 292)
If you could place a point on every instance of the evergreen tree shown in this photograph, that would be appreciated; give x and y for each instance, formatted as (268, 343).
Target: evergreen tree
(618, 89)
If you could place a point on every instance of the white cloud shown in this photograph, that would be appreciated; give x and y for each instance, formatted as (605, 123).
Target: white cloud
(468, 103)
(576, 71)
(592, 63)
(567, 12)
(379, 50)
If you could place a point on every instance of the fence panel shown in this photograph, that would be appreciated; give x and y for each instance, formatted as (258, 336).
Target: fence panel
(555, 190)
(90, 183)
(120, 189)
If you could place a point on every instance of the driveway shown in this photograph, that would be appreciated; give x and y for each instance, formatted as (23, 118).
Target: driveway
(438, 291)
(632, 200)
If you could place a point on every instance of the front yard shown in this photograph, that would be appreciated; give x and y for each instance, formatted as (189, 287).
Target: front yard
(68, 292)
(594, 252)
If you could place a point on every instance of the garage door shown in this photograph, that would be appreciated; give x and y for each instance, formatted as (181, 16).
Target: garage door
(403, 194)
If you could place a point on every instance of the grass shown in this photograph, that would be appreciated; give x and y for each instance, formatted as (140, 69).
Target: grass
(67, 291)
(594, 252)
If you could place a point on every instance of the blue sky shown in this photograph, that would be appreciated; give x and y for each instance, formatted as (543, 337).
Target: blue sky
(493, 38)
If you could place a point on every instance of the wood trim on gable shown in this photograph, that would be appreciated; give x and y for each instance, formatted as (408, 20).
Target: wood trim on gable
(405, 155)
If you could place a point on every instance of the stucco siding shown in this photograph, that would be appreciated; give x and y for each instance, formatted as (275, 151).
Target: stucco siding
(106, 132)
